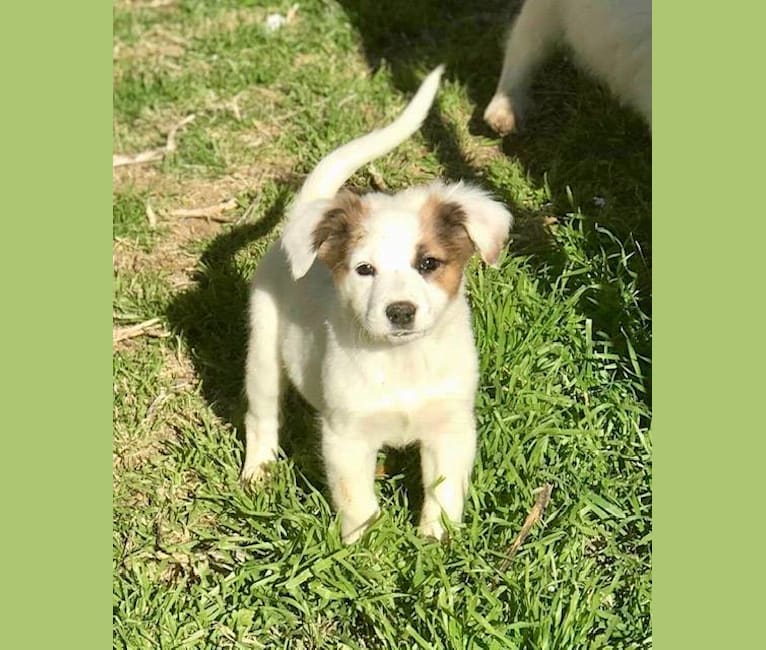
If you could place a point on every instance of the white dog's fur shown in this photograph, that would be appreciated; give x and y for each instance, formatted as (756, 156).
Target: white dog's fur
(344, 333)
(611, 38)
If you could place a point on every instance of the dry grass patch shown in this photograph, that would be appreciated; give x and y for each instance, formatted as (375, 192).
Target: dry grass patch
(158, 45)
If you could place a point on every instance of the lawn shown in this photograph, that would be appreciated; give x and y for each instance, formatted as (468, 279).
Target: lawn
(563, 329)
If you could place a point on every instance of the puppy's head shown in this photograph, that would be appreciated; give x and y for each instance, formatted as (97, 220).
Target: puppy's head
(397, 261)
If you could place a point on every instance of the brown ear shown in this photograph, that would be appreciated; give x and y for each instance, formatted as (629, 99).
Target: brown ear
(486, 221)
(338, 230)
(449, 228)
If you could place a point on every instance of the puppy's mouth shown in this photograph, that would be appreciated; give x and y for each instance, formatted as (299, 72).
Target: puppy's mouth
(400, 336)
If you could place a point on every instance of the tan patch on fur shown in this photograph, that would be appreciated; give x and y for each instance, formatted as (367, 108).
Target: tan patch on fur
(444, 238)
(434, 417)
(339, 231)
(344, 491)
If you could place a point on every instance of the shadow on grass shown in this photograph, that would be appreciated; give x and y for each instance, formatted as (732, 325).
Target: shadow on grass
(590, 153)
(212, 319)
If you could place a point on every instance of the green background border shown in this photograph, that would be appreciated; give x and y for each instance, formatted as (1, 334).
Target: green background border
(55, 143)
(708, 241)
(708, 340)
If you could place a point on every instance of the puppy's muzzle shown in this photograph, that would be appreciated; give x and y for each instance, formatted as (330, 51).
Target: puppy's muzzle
(401, 314)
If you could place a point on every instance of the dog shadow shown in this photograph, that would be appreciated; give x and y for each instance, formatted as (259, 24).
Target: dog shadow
(212, 318)
(578, 143)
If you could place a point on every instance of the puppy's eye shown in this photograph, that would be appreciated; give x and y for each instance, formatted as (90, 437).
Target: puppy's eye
(428, 265)
(365, 269)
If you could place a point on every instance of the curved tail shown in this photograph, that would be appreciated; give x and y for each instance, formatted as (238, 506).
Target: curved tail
(337, 167)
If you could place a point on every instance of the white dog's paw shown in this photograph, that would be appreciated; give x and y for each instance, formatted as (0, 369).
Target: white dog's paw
(351, 533)
(433, 529)
(355, 535)
(253, 473)
(500, 115)
(259, 460)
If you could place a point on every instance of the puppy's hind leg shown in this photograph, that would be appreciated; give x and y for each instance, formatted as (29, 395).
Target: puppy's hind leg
(536, 29)
(263, 385)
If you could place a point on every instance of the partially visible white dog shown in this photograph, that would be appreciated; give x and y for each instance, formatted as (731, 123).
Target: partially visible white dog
(611, 38)
(376, 335)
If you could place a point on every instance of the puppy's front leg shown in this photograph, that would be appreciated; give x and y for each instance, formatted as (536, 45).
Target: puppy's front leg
(350, 467)
(446, 463)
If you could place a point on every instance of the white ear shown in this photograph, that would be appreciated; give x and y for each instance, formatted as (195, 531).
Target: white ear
(298, 235)
(488, 222)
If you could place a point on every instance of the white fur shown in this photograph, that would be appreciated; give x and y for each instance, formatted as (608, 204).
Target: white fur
(372, 383)
(611, 38)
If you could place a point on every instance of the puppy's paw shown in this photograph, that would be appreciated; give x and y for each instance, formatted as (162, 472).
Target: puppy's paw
(501, 116)
(355, 535)
(433, 529)
(253, 473)
(351, 533)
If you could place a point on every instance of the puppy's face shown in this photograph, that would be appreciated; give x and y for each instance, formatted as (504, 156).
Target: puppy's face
(397, 261)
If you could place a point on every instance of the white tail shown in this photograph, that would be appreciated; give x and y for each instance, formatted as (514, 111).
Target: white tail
(338, 166)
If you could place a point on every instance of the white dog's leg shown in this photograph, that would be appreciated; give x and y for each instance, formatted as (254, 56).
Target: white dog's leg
(263, 382)
(532, 35)
(446, 462)
(350, 467)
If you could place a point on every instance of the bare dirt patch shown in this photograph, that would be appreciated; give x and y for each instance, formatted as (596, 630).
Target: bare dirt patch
(168, 254)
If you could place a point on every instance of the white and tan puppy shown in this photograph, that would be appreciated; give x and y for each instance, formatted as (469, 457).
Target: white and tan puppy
(361, 306)
(610, 38)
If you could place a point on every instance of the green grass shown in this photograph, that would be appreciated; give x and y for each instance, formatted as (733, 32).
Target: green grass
(563, 330)
(129, 219)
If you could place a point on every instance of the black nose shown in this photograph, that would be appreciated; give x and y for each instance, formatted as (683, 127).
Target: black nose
(401, 313)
